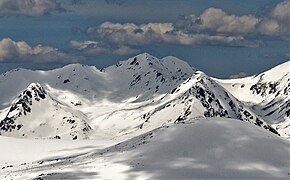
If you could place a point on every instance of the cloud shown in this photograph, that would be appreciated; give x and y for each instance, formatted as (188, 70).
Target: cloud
(281, 14)
(77, 2)
(115, 2)
(93, 48)
(268, 27)
(132, 34)
(217, 20)
(212, 27)
(281, 11)
(240, 75)
(29, 7)
(20, 51)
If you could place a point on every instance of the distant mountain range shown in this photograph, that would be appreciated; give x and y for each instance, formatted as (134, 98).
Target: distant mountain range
(136, 96)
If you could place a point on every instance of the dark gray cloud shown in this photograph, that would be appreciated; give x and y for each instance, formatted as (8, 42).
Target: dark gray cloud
(20, 51)
(29, 7)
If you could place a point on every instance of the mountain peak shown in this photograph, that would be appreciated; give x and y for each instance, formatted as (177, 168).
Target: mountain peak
(142, 59)
(22, 106)
(35, 114)
(146, 56)
(34, 90)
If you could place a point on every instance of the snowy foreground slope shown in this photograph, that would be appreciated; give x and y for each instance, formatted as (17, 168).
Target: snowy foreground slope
(143, 118)
(207, 148)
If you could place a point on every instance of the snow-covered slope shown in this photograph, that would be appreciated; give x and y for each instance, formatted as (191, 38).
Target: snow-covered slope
(35, 114)
(267, 94)
(210, 148)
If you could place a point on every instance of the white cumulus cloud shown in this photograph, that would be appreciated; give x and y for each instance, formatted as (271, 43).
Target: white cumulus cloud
(20, 51)
(132, 34)
(218, 20)
(212, 27)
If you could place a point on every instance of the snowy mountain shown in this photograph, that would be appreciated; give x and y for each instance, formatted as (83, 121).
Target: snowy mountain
(119, 82)
(35, 114)
(81, 92)
(200, 97)
(267, 94)
(143, 118)
(134, 96)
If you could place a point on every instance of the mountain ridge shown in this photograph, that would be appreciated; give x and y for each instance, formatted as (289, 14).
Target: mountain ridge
(266, 93)
(135, 96)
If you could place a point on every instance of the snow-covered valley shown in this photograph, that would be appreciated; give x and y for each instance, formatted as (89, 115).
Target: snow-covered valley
(143, 118)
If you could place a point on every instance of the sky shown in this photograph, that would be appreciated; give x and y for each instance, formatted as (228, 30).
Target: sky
(223, 38)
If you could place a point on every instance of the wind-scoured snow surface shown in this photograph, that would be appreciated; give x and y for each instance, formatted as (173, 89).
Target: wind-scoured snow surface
(144, 118)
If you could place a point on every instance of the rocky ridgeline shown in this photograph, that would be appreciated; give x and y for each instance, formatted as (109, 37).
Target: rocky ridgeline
(215, 100)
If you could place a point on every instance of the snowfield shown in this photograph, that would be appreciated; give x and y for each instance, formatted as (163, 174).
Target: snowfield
(143, 118)
(207, 148)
